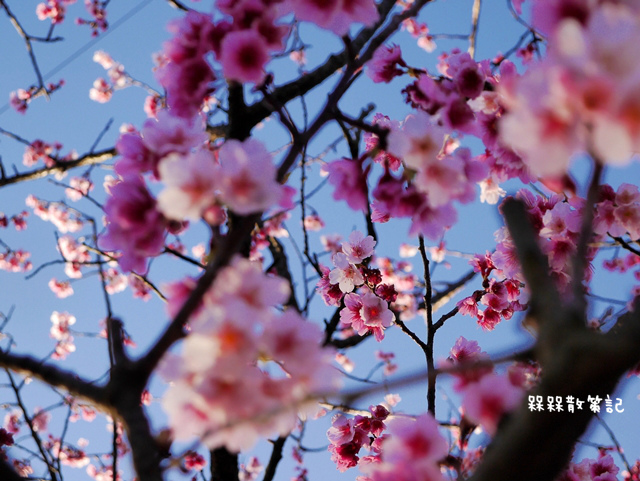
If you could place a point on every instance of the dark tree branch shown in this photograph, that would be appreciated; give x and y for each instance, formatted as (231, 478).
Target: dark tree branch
(625, 245)
(67, 380)
(575, 361)
(60, 167)
(224, 465)
(431, 332)
(276, 456)
(7, 473)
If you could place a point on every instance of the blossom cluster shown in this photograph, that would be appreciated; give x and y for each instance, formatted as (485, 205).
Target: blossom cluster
(349, 435)
(436, 174)
(136, 227)
(64, 218)
(98, 13)
(462, 99)
(244, 179)
(501, 298)
(241, 42)
(41, 150)
(412, 450)
(246, 368)
(198, 182)
(15, 261)
(53, 9)
(367, 310)
(75, 254)
(19, 99)
(79, 187)
(583, 97)
(602, 469)
(118, 79)
(19, 220)
(487, 396)
(557, 221)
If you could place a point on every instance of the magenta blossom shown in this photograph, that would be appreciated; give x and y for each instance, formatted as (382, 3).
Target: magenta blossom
(136, 227)
(350, 182)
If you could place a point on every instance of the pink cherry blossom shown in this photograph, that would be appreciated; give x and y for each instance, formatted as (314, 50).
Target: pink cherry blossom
(463, 352)
(19, 100)
(383, 67)
(101, 91)
(190, 185)
(486, 401)
(358, 248)
(219, 391)
(170, 134)
(61, 289)
(40, 419)
(187, 76)
(247, 177)
(136, 227)
(345, 274)
(331, 293)
(79, 187)
(243, 56)
(418, 143)
(371, 141)
(313, 222)
(350, 182)
(375, 315)
(334, 15)
(53, 9)
(410, 451)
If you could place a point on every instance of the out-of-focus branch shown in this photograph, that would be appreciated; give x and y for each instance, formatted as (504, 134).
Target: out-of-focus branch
(8, 474)
(54, 376)
(475, 21)
(224, 465)
(60, 167)
(534, 445)
(178, 5)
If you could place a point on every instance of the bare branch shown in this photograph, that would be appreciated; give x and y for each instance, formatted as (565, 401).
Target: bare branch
(60, 167)
(67, 380)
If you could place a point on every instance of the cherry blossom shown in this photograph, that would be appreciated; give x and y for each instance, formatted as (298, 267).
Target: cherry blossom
(101, 91)
(383, 67)
(346, 275)
(334, 15)
(243, 56)
(418, 143)
(79, 187)
(569, 104)
(187, 76)
(53, 9)
(236, 328)
(487, 400)
(247, 182)
(358, 248)
(350, 182)
(136, 227)
(191, 185)
(61, 289)
(411, 450)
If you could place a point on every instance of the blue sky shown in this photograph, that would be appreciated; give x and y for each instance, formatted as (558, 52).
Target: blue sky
(71, 118)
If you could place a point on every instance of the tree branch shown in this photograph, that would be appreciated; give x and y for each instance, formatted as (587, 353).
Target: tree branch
(575, 361)
(60, 167)
(54, 376)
